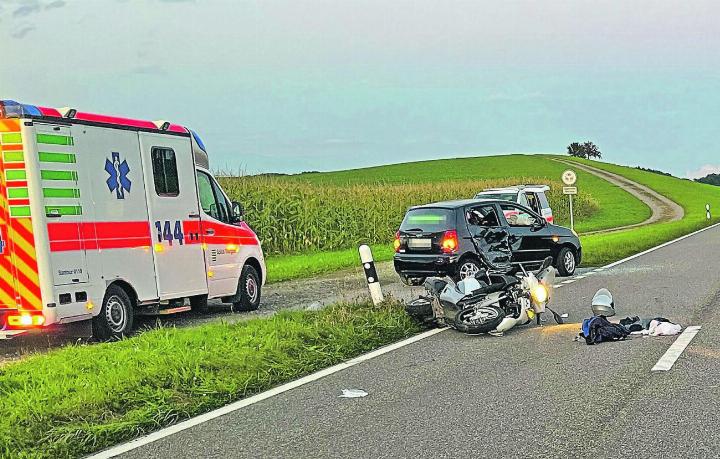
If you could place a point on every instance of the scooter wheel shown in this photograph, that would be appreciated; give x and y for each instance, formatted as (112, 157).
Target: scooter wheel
(482, 320)
(420, 309)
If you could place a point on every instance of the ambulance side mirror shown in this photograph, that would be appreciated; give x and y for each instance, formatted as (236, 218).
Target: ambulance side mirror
(238, 212)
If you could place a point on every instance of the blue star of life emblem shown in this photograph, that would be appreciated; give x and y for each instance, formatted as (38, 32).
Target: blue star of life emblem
(2, 243)
(118, 171)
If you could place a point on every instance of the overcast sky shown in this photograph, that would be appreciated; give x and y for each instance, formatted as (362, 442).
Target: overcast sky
(317, 85)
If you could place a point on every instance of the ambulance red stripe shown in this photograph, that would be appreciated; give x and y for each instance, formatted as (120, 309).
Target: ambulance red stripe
(65, 237)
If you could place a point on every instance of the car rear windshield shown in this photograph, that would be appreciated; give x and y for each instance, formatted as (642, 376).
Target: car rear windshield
(428, 220)
(502, 196)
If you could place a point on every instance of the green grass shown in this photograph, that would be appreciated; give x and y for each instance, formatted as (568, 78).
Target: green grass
(616, 207)
(692, 196)
(81, 399)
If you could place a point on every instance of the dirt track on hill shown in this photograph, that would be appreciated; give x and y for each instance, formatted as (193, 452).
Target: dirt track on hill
(663, 209)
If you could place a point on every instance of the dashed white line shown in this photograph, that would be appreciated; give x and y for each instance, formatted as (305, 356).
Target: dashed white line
(668, 359)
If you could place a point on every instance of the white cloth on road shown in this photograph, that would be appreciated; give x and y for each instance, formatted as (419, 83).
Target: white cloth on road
(663, 328)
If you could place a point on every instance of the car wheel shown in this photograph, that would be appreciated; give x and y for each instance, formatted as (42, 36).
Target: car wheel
(248, 290)
(566, 262)
(468, 268)
(412, 281)
(116, 315)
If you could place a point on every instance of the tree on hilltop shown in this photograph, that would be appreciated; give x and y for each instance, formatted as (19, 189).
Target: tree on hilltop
(587, 150)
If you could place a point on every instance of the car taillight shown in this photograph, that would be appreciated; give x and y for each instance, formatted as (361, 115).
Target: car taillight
(449, 242)
(396, 243)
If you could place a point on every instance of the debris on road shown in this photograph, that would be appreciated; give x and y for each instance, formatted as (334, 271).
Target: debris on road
(598, 329)
(353, 393)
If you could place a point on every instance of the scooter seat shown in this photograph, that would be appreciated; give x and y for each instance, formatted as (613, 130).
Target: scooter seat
(509, 281)
(492, 288)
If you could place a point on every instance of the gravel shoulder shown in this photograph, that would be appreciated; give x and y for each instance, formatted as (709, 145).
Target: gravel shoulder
(663, 209)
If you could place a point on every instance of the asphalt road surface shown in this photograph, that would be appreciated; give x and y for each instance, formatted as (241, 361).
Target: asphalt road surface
(532, 393)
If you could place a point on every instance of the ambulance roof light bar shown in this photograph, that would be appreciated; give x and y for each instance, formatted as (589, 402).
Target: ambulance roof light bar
(12, 109)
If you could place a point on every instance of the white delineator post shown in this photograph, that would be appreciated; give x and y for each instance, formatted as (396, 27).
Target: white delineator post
(707, 209)
(371, 276)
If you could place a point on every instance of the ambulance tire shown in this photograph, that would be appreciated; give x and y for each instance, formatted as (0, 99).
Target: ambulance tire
(248, 291)
(199, 304)
(116, 315)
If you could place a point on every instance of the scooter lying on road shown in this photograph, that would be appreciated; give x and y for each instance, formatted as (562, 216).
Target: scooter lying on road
(474, 306)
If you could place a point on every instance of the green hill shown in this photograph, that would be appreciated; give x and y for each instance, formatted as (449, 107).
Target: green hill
(616, 206)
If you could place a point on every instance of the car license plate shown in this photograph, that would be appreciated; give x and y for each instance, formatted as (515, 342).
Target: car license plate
(419, 243)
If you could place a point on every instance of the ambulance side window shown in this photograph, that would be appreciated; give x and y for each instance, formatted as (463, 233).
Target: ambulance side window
(212, 201)
(165, 173)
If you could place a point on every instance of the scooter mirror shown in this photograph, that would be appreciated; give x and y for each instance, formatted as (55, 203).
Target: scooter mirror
(545, 264)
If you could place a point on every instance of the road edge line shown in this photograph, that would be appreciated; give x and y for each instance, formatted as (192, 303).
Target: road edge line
(200, 419)
(676, 349)
(658, 247)
(235, 406)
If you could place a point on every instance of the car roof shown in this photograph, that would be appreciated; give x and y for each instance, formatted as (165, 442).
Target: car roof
(517, 188)
(456, 204)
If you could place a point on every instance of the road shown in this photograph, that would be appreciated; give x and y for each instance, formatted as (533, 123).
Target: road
(663, 209)
(532, 393)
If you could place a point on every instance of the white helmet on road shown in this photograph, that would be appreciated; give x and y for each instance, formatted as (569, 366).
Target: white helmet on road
(603, 304)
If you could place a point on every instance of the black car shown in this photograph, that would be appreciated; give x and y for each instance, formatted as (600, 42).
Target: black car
(462, 238)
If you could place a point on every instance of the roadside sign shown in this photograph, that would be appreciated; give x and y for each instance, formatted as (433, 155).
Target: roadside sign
(569, 177)
(569, 190)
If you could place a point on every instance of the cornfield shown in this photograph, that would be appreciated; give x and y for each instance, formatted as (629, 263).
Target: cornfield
(291, 216)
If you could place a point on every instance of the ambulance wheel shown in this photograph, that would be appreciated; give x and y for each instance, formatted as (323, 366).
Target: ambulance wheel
(199, 304)
(248, 291)
(116, 315)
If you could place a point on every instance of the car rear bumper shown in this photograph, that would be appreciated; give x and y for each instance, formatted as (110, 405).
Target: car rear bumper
(425, 265)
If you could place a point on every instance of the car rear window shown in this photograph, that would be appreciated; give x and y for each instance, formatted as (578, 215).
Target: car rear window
(501, 196)
(428, 220)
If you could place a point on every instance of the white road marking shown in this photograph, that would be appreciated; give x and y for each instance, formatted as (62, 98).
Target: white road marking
(599, 270)
(632, 257)
(668, 359)
(179, 427)
(581, 277)
(125, 447)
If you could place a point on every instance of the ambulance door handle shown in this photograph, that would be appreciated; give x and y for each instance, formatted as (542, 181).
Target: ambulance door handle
(210, 232)
(194, 216)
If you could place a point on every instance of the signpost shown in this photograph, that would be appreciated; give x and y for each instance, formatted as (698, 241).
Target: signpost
(569, 178)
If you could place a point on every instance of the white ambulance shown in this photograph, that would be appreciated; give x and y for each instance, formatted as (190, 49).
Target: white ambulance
(104, 218)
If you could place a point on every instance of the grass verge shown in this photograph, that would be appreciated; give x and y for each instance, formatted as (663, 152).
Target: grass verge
(81, 399)
(692, 196)
(598, 249)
